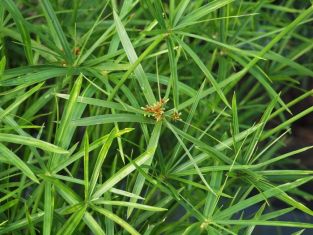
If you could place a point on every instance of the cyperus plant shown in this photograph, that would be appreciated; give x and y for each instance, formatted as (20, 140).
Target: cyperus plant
(152, 117)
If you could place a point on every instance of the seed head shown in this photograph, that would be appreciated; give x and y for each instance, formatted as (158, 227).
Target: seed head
(176, 116)
(157, 109)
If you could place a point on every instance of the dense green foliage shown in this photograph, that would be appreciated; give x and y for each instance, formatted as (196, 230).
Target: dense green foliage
(151, 117)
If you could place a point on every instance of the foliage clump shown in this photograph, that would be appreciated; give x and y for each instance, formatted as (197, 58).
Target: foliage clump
(86, 147)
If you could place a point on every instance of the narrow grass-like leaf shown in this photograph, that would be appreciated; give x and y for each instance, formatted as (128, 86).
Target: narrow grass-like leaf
(132, 56)
(180, 11)
(191, 158)
(105, 104)
(49, 208)
(16, 161)
(96, 144)
(42, 74)
(109, 118)
(304, 14)
(193, 16)
(116, 219)
(261, 77)
(19, 101)
(30, 141)
(136, 67)
(22, 223)
(258, 133)
(204, 69)
(125, 193)
(129, 204)
(2, 66)
(152, 146)
(286, 123)
(283, 156)
(173, 67)
(122, 173)
(56, 28)
(71, 224)
(63, 132)
(31, 227)
(86, 165)
(98, 165)
(22, 27)
(260, 197)
(71, 197)
(266, 223)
